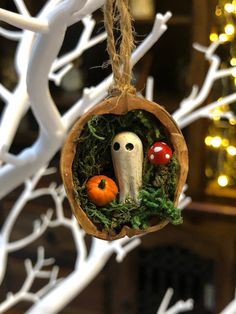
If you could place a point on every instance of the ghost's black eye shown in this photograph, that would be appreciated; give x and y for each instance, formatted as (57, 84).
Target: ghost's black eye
(129, 146)
(116, 146)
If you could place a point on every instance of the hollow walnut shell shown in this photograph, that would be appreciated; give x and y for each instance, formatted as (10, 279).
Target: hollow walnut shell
(121, 105)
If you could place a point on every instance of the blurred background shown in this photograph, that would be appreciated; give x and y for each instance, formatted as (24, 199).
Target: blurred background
(197, 258)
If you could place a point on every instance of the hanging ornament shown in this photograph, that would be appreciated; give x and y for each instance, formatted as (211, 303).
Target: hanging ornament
(114, 184)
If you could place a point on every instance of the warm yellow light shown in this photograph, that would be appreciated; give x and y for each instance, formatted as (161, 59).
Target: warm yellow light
(231, 150)
(218, 11)
(223, 37)
(229, 29)
(217, 111)
(232, 121)
(233, 62)
(229, 7)
(225, 108)
(216, 141)
(235, 81)
(208, 140)
(208, 172)
(234, 4)
(216, 117)
(225, 142)
(234, 72)
(213, 37)
(223, 180)
(216, 114)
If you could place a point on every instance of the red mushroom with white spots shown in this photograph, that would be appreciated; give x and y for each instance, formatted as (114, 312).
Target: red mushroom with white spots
(159, 153)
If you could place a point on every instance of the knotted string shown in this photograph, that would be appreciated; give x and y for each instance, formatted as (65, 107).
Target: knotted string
(117, 17)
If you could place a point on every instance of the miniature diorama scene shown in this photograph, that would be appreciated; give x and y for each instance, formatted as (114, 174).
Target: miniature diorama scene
(118, 156)
(123, 158)
(123, 171)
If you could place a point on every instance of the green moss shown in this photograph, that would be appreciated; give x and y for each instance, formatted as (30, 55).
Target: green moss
(93, 157)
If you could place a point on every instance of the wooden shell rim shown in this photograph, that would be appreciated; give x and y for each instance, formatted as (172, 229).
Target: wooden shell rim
(121, 105)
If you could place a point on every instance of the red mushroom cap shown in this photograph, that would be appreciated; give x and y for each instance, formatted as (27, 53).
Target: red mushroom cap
(159, 153)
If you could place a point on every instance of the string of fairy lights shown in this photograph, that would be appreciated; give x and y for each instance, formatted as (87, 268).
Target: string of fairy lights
(221, 138)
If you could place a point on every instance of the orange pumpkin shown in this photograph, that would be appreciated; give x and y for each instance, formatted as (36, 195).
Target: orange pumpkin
(101, 190)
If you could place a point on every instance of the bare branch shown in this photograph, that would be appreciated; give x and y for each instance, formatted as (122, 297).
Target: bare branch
(12, 35)
(9, 158)
(122, 251)
(149, 88)
(84, 43)
(39, 229)
(57, 77)
(4, 93)
(24, 22)
(96, 40)
(32, 272)
(181, 306)
(206, 111)
(230, 308)
(165, 301)
(22, 7)
(90, 6)
(58, 195)
(197, 98)
(52, 282)
(225, 72)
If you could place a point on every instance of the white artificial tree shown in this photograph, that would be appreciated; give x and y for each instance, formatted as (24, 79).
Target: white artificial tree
(37, 62)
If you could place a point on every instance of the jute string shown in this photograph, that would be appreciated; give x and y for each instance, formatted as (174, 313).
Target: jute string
(117, 17)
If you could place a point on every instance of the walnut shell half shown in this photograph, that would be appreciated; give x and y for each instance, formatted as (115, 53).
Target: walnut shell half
(121, 105)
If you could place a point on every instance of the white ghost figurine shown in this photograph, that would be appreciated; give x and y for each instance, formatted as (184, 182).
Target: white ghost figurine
(127, 157)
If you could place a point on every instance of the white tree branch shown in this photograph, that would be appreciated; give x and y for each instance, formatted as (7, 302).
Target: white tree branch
(96, 40)
(181, 306)
(230, 308)
(32, 272)
(184, 200)
(122, 251)
(158, 29)
(89, 24)
(225, 72)
(19, 205)
(90, 6)
(196, 99)
(12, 217)
(58, 195)
(149, 88)
(5, 94)
(206, 111)
(52, 282)
(39, 228)
(18, 104)
(57, 77)
(12, 35)
(71, 286)
(24, 22)
(165, 301)
(10, 158)
(22, 7)
(15, 107)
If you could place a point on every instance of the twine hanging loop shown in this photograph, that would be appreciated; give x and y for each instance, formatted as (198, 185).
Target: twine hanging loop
(117, 17)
